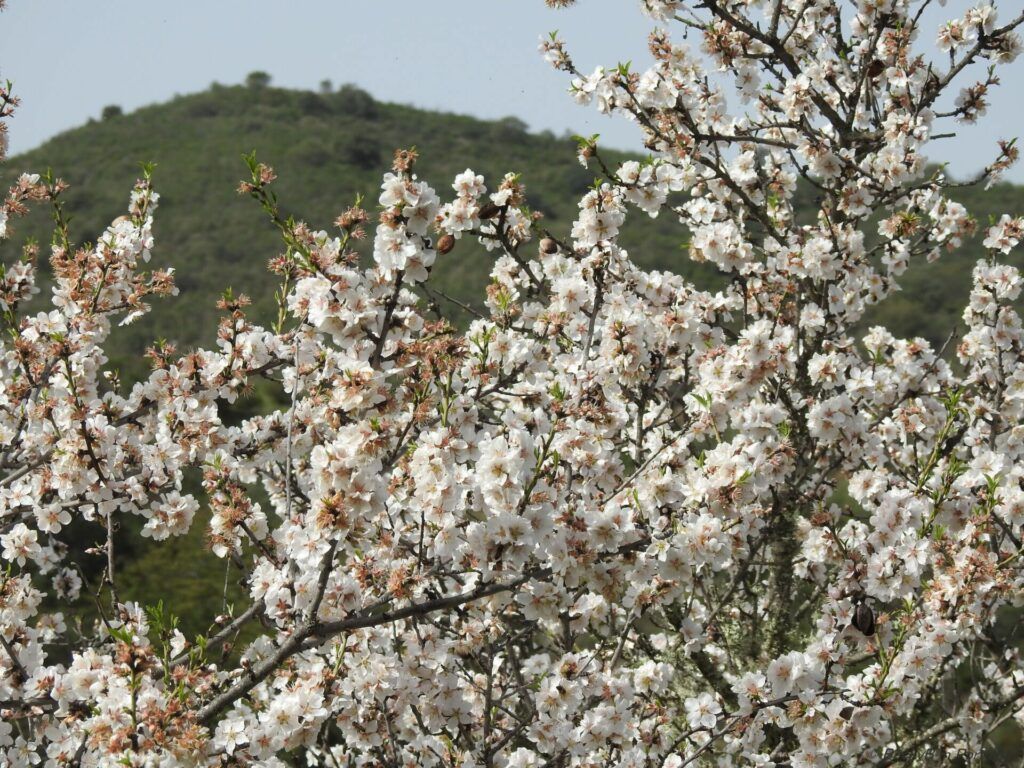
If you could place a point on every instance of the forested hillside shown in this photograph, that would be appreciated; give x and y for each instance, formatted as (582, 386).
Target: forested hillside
(328, 147)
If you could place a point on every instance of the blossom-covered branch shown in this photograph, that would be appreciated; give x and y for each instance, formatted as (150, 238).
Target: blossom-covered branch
(618, 518)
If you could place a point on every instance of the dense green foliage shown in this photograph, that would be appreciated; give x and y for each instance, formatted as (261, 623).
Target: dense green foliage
(328, 147)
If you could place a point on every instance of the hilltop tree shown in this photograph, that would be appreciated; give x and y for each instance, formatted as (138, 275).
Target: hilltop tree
(258, 79)
(620, 520)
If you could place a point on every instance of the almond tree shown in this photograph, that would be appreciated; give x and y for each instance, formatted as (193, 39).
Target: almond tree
(619, 519)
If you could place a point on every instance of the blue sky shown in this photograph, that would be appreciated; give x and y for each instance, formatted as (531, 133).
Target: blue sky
(70, 58)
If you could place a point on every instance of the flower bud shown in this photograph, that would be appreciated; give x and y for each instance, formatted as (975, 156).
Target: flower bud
(864, 619)
(445, 244)
(488, 211)
(547, 245)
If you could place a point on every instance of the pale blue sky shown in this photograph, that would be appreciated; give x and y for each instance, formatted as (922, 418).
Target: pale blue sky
(70, 58)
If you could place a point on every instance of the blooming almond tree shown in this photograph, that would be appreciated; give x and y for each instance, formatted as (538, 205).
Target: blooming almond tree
(619, 520)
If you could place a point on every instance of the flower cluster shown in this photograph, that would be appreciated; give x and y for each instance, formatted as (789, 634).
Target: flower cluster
(618, 519)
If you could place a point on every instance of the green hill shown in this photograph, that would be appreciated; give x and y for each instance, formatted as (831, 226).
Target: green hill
(327, 148)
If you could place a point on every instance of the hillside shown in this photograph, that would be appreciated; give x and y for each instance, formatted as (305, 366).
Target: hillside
(327, 148)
